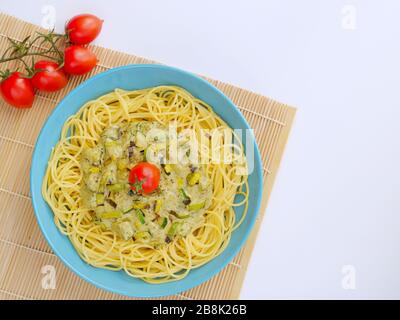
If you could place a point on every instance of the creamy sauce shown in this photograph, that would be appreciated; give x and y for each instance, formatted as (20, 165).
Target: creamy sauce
(174, 209)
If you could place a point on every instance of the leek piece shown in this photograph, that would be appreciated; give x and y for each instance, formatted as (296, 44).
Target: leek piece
(196, 206)
(111, 215)
(116, 187)
(140, 216)
(162, 221)
(174, 229)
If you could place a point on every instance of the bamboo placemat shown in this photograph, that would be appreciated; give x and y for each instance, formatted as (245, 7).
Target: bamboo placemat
(23, 250)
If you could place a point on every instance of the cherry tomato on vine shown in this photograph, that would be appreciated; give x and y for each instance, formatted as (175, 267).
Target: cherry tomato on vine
(51, 78)
(17, 91)
(78, 60)
(144, 177)
(83, 28)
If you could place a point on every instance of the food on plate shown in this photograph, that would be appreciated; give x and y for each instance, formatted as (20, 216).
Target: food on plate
(150, 202)
(141, 181)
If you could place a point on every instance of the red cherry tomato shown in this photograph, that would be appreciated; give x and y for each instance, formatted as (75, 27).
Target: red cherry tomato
(78, 60)
(83, 28)
(17, 91)
(144, 177)
(52, 78)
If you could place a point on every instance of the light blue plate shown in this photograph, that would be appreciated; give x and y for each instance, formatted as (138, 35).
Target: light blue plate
(137, 77)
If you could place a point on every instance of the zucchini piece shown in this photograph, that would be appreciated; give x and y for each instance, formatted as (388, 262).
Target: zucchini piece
(111, 133)
(110, 215)
(180, 215)
(129, 210)
(185, 195)
(92, 181)
(124, 229)
(174, 229)
(162, 221)
(109, 173)
(193, 178)
(113, 149)
(196, 206)
(140, 216)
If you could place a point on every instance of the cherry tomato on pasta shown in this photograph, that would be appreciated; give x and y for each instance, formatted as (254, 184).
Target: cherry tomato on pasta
(144, 177)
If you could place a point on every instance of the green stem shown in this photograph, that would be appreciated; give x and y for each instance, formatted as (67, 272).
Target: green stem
(53, 45)
(24, 63)
(52, 39)
(28, 54)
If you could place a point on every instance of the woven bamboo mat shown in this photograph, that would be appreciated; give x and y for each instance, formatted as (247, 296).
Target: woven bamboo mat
(24, 252)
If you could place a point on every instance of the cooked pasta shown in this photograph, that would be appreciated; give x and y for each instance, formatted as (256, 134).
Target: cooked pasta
(95, 236)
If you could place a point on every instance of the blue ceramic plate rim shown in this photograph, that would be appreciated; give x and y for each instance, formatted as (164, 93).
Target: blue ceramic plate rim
(152, 290)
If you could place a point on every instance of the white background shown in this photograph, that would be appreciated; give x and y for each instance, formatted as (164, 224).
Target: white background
(336, 198)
